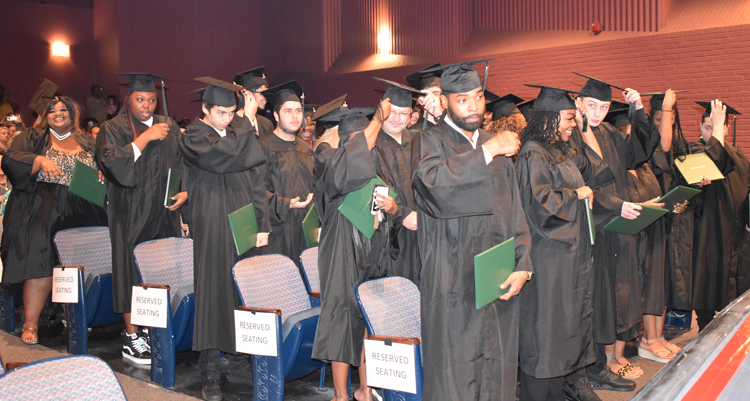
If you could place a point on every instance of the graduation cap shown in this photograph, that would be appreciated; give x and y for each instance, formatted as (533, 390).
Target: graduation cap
(554, 99)
(657, 98)
(290, 91)
(42, 96)
(459, 77)
(527, 108)
(400, 95)
(597, 88)
(707, 106)
(351, 120)
(140, 81)
(218, 92)
(330, 107)
(251, 79)
(421, 79)
(489, 97)
(503, 106)
(618, 114)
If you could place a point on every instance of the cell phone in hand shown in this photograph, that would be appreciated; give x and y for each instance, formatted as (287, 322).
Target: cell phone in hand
(379, 189)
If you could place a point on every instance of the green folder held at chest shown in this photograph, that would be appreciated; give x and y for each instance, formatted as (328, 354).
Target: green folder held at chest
(310, 226)
(696, 166)
(85, 184)
(648, 216)
(173, 186)
(678, 194)
(491, 268)
(356, 207)
(244, 228)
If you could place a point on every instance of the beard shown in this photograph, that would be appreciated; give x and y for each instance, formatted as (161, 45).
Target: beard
(465, 125)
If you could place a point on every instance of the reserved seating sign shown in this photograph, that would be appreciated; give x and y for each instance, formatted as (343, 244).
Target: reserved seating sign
(148, 307)
(65, 284)
(255, 333)
(391, 366)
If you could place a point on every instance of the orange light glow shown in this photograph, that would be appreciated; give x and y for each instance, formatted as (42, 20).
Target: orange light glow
(60, 49)
(384, 42)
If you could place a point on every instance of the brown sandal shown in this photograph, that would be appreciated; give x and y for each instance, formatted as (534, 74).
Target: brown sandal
(34, 337)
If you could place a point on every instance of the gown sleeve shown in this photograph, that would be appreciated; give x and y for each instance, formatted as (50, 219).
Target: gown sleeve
(19, 160)
(644, 140)
(114, 154)
(347, 168)
(219, 155)
(449, 187)
(594, 170)
(549, 208)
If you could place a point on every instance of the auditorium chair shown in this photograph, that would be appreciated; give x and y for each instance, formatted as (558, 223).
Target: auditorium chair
(390, 306)
(169, 262)
(89, 247)
(78, 377)
(273, 283)
(308, 259)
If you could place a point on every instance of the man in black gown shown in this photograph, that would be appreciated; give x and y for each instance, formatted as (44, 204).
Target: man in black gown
(221, 156)
(287, 173)
(255, 81)
(393, 158)
(427, 81)
(468, 202)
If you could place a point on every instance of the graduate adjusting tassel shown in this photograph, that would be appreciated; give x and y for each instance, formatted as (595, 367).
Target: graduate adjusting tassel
(164, 99)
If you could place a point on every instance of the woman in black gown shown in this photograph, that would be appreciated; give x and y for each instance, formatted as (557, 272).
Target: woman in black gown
(556, 324)
(40, 165)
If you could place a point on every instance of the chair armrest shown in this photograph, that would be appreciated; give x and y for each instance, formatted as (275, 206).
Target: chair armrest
(314, 294)
(70, 267)
(400, 340)
(262, 310)
(146, 285)
(13, 365)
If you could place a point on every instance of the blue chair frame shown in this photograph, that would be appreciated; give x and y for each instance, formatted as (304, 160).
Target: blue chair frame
(95, 305)
(391, 395)
(178, 335)
(294, 351)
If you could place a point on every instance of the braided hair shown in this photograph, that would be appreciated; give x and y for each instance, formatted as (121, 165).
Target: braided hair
(543, 128)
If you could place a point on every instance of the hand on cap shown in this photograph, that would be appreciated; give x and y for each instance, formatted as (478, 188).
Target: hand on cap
(580, 112)
(431, 103)
(718, 114)
(251, 106)
(669, 100)
(384, 110)
(632, 96)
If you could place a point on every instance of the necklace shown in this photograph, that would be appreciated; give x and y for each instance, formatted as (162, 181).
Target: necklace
(58, 136)
(4, 185)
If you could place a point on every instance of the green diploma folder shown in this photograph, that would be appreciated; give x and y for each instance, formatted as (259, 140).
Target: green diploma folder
(678, 194)
(647, 217)
(590, 218)
(696, 166)
(85, 184)
(356, 207)
(244, 228)
(491, 268)
(173, 186)
(310, 226)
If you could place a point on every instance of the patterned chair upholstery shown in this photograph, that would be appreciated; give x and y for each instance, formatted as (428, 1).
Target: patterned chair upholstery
(309, 261)
(390, 306)
(169, 261)
(91, 248)
(273, 281)
(79, 377)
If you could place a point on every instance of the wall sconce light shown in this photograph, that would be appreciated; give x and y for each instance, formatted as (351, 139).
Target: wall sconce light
(384, 42)
(60, 49)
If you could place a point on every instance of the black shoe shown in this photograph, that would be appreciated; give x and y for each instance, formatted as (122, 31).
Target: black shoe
(243, 376)
(580, 391)
(146, 337)
(212, 390)
(606, 380)
(136, 350)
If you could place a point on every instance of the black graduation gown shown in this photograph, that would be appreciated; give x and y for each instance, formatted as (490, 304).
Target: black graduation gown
(221, 178)
(678, 232)
(345, 256)
(557, 322)
(393, 164)
(36, 211)
(135, 194)
(287, 174)
(721, 252)
(650, 244)
(265, 126)
(617, 295)
(465, 207)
